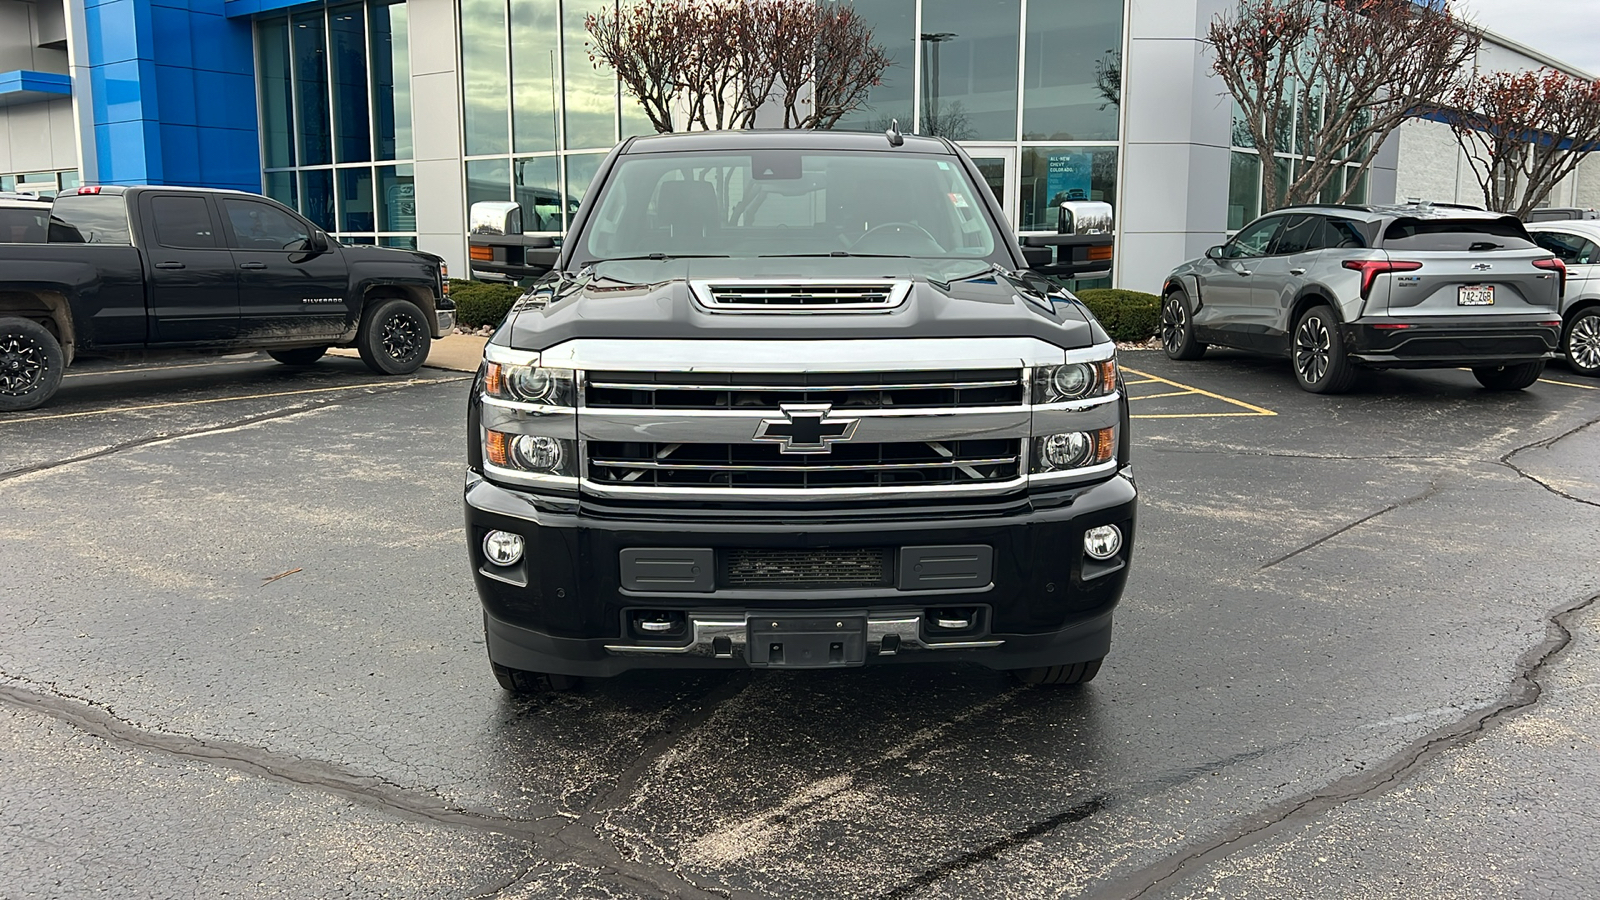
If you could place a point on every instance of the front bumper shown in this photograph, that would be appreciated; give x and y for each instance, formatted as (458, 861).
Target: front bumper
(569, 608)
(447, 320)
(1447, 341)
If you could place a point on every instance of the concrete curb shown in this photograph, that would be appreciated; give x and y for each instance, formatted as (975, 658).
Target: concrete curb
(455, 352)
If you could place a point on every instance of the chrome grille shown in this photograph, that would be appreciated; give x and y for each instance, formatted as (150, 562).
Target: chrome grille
(812, 296)
(764, 465)
(835, 568)
(845, 390)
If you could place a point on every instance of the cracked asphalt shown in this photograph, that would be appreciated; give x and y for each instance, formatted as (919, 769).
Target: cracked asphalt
(1359, 656)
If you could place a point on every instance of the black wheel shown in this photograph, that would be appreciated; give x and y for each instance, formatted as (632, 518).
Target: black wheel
(517, 681)
(1317, 350)
(394, 337)
(1582, 343)
(1177, 329)
(1074, 673)
(300, 356)
(31, 363)
(1509, 378)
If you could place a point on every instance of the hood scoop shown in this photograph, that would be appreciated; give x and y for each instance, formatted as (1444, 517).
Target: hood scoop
(822, 296)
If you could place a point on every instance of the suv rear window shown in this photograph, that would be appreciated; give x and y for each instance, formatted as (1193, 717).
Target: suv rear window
(1504, 233)
(90, 219)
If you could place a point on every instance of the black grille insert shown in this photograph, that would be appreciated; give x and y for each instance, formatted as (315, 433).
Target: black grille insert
(810, 568)
(845, 390)
(764, 465)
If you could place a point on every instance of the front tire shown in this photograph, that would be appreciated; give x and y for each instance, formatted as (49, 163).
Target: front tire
(300, 356)
(1177, 328)
(1509, 378)
(1073, 673)
(31, 364)
(1582, 343)
(394, 337)
(1317, 351)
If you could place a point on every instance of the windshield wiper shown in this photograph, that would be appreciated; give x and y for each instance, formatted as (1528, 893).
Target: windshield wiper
(843, 253)
(654, 256)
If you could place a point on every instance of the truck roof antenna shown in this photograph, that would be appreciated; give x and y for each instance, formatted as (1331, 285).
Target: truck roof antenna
(895, 137)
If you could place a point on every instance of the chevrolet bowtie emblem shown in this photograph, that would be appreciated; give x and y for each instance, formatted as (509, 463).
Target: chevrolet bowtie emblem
(806, 428)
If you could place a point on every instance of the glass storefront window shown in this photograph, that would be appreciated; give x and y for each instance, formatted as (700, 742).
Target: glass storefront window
(284, 188)
(404, 243)
(591, 93)
(389, 29)
(1244, 189)
(356, 211)
(1074, 69)
(534, 72)
(536, 187)
(894, 25)
(397, 199)
(347, 32)
(311, 88)
(486, 87)
(316, 193)
(277, 105)
(969, 69)
(1053, 174)
(488, 179)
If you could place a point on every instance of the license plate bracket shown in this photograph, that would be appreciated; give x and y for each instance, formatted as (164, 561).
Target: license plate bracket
(810, 641)
(1475, 295)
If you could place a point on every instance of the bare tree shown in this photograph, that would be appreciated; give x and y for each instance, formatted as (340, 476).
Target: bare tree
(720, 61)
(1340, 75)
(1523, 132)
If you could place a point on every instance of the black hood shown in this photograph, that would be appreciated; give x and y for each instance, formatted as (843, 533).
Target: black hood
(651, 299)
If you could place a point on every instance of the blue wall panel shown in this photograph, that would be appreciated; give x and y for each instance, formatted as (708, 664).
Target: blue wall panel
(172, 84)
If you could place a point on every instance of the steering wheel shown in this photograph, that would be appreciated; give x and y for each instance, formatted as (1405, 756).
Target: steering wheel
(910, 228)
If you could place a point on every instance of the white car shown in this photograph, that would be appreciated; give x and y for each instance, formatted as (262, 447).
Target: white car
(1577, 243)
(24, 219)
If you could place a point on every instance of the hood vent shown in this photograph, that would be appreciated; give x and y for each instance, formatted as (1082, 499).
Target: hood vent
(801, 297)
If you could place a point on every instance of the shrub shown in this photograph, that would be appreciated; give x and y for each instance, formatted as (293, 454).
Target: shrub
(1126, 315)
(480, 303)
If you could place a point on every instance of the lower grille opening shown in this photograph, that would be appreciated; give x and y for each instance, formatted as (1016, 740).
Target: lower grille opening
(854, 567)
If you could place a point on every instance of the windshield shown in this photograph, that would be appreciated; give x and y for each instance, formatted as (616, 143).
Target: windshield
(789, 203)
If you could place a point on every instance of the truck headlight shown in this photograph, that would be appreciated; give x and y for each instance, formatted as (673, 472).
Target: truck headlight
(529, 384)
(1074, 381)
(1073, 450)
(535, 453)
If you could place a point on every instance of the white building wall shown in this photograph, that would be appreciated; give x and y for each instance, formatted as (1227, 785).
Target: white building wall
(34, 137)
(436, 134)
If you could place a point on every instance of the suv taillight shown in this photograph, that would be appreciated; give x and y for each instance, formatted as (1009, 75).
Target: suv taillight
(1554, 265)
(1370, 269)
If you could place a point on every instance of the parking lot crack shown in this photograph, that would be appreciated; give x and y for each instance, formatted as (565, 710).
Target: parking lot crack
(1523, 692)
(1433, 488)
(1509, 461)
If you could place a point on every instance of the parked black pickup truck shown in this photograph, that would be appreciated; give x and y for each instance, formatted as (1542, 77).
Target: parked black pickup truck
(796, 400)
(141, 269)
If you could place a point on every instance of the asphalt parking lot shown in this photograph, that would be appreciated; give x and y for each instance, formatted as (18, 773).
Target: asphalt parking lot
(241, 655)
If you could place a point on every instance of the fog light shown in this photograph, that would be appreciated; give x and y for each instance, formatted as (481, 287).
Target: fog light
(1068, 451)
(1102, 541)
(502, 547)
(537, 452)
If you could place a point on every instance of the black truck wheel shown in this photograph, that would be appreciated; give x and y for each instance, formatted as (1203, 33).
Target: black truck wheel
(1509, 378)
(300, 356)
(517, 681)
(394, 337)
(31, 363)
(1073, 673)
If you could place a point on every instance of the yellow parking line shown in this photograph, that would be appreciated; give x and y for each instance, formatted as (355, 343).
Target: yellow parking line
(1587, 387)
(101, 412)
(1142, 381)
(1167, 394)
(1254, 410)
(1195, 415)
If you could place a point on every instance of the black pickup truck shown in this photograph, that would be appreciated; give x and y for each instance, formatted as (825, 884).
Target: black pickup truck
(136, 270)
(796, 399)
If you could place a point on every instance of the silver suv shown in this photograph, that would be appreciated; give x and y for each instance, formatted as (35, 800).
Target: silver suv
(1577, 243)
(1335, 288)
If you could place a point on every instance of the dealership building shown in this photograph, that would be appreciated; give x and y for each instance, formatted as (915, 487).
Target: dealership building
(383, 121)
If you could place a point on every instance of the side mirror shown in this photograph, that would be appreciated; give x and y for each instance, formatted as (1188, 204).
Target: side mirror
(495, 217)
(1038, 257)
(1214, 252)
(1084, 217)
